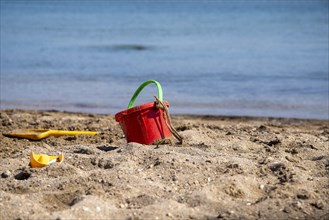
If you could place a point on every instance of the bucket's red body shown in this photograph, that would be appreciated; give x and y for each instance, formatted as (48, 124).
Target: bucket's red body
(143, 124)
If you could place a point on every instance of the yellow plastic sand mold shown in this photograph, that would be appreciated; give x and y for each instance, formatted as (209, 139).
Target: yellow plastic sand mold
(42, 160)
(38, 134)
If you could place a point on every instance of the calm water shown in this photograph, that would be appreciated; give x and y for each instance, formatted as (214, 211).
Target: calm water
(259, 58)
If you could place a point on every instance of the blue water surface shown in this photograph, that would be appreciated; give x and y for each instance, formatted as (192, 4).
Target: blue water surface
(254, 58)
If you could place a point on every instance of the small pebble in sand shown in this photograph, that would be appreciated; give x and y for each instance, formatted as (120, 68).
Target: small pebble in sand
(298, 204)
(84, 208)
(6, 174)
(275, 166)
(169, 215)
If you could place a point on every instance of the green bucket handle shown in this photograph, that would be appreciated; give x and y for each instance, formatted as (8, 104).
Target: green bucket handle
(141, 87)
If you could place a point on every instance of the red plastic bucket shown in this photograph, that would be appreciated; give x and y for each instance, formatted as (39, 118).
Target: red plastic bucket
(144, 124)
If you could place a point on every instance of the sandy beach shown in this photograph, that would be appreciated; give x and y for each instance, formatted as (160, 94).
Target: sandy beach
(227, 168)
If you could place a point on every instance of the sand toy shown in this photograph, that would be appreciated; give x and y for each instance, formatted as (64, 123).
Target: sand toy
(42, 160)
(38, 134)
(149, 123)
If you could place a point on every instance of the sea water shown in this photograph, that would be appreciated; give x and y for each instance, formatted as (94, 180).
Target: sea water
(254, 58)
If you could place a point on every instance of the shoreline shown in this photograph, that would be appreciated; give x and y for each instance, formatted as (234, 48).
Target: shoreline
(179, 115)
(228, 167)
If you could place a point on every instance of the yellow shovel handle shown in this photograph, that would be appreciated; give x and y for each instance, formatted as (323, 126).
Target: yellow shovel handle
(61, 132)
(58, 133)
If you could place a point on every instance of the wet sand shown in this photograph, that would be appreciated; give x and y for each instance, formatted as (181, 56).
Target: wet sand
(227, 168)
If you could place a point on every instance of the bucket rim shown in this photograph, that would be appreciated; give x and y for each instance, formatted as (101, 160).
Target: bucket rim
(135, 109)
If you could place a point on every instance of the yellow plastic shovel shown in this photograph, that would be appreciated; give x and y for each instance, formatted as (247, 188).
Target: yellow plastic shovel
(42, 160)
(38, 134)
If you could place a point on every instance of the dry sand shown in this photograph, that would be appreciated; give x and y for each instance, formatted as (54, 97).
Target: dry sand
(227, 168)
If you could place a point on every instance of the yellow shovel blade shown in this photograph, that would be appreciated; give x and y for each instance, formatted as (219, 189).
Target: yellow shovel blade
(38, 134)
(42, 160)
